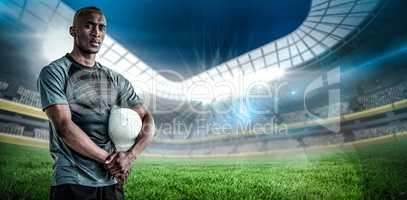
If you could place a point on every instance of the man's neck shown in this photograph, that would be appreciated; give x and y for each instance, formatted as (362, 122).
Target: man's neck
(87, 60)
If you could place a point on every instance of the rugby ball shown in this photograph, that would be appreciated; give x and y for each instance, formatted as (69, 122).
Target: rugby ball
(124, 126)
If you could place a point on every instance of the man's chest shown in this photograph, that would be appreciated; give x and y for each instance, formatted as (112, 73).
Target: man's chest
(91, 91)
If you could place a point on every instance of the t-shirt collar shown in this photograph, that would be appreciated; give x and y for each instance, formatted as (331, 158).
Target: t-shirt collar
(96, 65)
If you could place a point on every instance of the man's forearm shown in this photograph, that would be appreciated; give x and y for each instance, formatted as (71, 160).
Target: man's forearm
(147, 134)
(81, 143)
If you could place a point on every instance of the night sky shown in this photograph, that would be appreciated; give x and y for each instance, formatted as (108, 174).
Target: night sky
(193, 36)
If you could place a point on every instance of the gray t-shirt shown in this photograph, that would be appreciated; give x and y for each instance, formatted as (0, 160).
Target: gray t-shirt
(90, 94)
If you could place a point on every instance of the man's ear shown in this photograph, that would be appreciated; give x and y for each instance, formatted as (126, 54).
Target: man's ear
(72, 31)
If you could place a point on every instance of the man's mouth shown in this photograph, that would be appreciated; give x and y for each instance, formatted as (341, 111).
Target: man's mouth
(94, 43)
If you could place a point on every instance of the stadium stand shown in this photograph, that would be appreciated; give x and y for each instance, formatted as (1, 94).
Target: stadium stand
(11, 128)
(3, 87)
(383, 96)
(28, 97)
(296, 138)
(42, 134)
(388, 129)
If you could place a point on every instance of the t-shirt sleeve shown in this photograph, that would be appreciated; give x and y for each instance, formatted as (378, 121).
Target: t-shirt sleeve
(127, 97)
(50, 84)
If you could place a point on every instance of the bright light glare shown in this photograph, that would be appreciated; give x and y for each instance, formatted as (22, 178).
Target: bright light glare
(56, 43)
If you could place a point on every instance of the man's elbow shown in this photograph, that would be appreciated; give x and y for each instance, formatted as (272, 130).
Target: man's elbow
(149, 125)
(63, 128)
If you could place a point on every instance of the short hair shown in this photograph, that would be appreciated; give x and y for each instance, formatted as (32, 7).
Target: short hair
(85, 10)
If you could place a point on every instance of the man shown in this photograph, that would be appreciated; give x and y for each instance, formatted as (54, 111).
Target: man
(77, 94)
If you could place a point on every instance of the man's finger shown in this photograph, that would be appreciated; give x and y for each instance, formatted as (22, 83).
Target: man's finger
(113, 165)
(119, 179)
(116, 171)
(110, 158)
(110, 165)
(122, 178)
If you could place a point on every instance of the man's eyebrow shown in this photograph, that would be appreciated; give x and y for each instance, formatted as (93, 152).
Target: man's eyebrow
(94, 23)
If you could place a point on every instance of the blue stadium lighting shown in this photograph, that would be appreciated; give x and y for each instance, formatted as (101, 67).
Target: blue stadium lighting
(389, 54)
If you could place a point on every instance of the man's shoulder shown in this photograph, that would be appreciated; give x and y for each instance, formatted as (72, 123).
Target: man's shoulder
(60, 65)
(112, 72)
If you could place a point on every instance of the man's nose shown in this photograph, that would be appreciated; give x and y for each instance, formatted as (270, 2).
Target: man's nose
(95, 32)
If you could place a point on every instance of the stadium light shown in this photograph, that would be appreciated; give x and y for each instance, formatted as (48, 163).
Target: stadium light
(262, 76)
(56, 43)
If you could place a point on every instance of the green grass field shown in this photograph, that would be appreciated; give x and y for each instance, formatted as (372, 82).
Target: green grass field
(374, 171)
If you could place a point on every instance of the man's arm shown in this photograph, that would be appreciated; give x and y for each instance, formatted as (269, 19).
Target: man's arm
(146, 134)
(60, 115)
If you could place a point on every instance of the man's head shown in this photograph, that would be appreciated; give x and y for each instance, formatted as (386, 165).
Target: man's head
(88, 29)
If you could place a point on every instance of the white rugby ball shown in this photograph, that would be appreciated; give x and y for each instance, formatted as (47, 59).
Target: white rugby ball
(124, 126)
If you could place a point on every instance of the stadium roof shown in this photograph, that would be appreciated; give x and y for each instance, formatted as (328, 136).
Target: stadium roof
(328, 26)
(190, 37)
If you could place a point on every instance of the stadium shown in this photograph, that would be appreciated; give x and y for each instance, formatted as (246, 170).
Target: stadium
(317, 113)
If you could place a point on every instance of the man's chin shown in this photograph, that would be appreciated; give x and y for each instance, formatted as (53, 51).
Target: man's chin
(93, 50)
(90, 50)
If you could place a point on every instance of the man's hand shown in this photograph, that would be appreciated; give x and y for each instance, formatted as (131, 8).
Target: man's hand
(123, 177)
(119, 165)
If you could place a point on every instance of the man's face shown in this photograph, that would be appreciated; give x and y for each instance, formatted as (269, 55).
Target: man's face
(89, 32)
